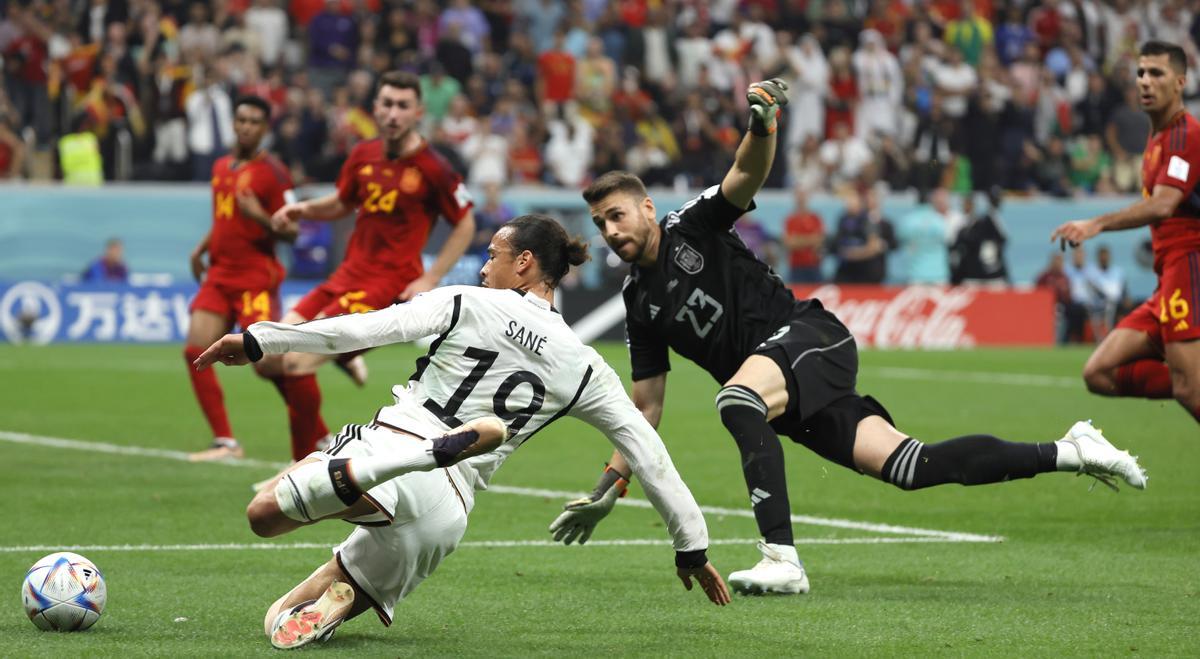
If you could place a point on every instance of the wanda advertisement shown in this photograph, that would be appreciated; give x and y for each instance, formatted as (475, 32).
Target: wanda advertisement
(939, 317)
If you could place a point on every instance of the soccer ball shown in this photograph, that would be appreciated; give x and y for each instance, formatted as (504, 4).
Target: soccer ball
(64, 592)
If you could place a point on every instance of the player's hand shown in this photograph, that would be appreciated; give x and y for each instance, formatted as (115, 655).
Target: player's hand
(421, 284)
(767, 99)
(229, 350)
(1076, 232)
(287, 215)
(199, 267)
(580, 517)
(710, 582)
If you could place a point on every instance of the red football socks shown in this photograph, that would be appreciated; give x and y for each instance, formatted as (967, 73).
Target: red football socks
(1146, 378)
(303, 398)
(208, 394)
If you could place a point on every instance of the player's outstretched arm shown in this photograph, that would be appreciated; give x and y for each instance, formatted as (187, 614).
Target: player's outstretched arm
(229, 350)
(250, 207)
(452, 250)
(1158, 206)
(329, 207)
(710, 582)
(756, 153)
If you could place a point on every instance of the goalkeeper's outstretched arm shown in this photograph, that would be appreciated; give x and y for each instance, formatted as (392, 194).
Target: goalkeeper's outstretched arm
(756, 153)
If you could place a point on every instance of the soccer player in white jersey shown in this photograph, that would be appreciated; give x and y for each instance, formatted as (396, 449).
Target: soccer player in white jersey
(501, 351)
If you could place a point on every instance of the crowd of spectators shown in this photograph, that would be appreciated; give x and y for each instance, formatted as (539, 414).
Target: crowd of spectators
(962, 94)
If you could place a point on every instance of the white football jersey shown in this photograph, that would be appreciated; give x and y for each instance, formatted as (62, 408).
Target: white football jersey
(508, 354)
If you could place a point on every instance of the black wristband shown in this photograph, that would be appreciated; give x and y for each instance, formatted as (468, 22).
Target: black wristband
(690, 560)
(250, 345)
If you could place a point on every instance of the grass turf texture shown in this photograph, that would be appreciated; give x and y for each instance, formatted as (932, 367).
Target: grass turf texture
(1079, 573)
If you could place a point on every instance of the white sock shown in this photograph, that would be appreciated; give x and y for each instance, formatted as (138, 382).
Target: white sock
(1068, 456)
(788, 552)
(408, 457)
(308, 493)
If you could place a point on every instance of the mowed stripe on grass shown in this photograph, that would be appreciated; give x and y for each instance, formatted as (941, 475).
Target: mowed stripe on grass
(930, 535)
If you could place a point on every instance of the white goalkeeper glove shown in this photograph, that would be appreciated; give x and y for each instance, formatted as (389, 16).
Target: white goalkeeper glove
(579, 517)
(766, 100)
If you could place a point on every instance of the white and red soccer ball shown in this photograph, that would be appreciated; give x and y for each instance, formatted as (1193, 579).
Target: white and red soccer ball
(64, 592)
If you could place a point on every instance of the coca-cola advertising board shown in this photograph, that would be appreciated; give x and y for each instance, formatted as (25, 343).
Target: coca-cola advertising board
(939, 317)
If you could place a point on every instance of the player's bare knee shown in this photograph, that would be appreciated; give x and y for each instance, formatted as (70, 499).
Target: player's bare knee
(266, 521)
(1099, 380)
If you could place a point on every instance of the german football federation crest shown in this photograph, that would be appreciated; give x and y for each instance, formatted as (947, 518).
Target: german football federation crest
(688, 259)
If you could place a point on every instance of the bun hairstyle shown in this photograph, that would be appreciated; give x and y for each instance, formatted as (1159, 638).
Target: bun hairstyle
(549, 243)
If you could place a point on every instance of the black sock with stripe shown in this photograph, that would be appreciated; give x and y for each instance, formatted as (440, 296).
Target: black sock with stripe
(744, 414)
(969, 460)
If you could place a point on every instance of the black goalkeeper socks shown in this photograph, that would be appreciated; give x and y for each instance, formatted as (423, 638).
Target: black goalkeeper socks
(744, 414)
(970, 460)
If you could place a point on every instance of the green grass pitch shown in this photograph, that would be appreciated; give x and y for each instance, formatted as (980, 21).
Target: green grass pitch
(1078, 572)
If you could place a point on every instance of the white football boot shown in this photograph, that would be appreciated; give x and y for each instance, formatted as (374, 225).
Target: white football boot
(779, 571)
(314, 620)
(1101, 460)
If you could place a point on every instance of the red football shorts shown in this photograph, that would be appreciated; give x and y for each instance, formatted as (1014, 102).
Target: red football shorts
(234, 303)
(1173, 312)
(362, 296)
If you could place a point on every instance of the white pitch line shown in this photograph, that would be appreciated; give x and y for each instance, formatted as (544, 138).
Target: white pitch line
(974, 377)
(479, 544)
(102, 447)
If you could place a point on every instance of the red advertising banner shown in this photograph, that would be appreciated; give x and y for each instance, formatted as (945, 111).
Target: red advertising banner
(939, 317)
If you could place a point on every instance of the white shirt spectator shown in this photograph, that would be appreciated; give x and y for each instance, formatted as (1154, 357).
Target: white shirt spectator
(203, 107)
(880, 85)
(658, 53)
(569, 151)
(693, 52)
(806, 114)
(270, 23)
(846, 158)
(956, 81)
(488, 154)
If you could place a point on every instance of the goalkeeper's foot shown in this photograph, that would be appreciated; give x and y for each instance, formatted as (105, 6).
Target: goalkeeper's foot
(355, 368)
(1101, 460)
(777, 572)
(313, 620)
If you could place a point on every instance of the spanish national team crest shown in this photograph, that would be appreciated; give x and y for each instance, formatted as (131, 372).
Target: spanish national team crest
(688, 259)
(410, 180)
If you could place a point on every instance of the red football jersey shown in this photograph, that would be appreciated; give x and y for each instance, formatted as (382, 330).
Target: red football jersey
(398, 202)
(242, 251)
(1172, 157)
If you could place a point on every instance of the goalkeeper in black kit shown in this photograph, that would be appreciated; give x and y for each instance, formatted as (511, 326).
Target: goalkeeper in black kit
(785, 366)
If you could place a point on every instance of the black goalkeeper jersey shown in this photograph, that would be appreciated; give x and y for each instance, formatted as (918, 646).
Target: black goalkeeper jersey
(707, 296)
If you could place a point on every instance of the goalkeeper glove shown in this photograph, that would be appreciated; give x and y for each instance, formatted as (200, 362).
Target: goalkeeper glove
(579, 517)
(766, 100)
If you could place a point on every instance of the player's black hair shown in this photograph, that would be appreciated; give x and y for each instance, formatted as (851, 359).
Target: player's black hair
(254, 102)
(549, 243)
(1174, 53)
(614, 181)
(399, 80)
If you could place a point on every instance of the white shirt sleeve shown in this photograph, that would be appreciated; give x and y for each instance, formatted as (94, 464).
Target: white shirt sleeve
(425, 315)
(605, 406)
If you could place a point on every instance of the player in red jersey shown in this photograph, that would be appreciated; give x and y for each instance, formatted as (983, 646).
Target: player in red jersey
(400, 186)
(240, 282)
(1130, 360)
